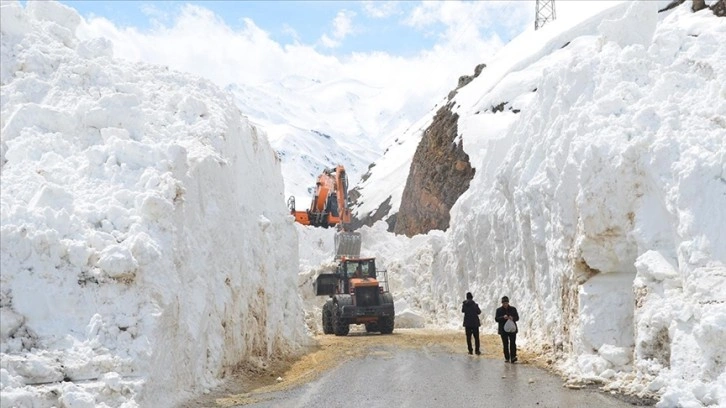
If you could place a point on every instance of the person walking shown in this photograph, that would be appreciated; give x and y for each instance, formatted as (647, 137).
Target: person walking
(471, 322)
(509, 338)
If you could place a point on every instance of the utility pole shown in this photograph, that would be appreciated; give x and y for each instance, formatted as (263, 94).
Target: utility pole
(545, 12)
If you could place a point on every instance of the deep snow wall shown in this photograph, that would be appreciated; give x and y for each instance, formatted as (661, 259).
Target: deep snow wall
(613, 197)
(600, 208)
(146, 246)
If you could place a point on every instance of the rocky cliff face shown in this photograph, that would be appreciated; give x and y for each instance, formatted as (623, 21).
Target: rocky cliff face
(440, 173)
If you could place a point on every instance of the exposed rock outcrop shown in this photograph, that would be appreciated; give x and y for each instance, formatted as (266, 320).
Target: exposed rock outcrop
(718, 8)
(465, 79)
(439, 174)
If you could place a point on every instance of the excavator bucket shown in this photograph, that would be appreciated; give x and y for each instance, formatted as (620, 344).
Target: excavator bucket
(347, 244)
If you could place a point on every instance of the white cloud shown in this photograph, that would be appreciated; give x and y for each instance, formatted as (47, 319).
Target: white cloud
(155, 14)
(342, 27)
(471, 21)
(290, 31)
(381, 9)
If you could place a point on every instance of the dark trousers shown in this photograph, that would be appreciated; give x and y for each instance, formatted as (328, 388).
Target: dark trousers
(509, 344)
(475, 332)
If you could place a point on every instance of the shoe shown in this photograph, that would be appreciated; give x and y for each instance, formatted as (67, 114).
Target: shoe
(478, 353)
(514, 360)
(470, 352)
(506, 360)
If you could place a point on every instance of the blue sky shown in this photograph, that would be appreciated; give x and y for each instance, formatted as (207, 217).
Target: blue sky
(347, 25)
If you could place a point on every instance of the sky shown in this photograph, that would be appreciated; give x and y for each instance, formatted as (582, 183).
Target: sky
(143, 224)
(339, 28)
(380, 44)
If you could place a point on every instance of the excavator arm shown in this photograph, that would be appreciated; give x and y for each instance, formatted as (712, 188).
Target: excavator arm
(329, 207)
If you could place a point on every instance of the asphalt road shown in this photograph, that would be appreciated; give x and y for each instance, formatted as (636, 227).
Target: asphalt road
(393, 377)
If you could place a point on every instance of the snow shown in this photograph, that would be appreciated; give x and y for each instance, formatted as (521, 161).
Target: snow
(146, 247)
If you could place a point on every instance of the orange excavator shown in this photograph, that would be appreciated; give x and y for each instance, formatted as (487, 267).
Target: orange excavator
(329, 208)
(330, 202)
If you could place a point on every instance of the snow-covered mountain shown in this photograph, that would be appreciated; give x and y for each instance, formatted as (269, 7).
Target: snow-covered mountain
(315, 123)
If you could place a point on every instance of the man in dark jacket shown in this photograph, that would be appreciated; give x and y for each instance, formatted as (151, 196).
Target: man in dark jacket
(471, 321)
(509, 339)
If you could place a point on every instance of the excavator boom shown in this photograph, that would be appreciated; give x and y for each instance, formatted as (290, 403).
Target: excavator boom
(329, 207)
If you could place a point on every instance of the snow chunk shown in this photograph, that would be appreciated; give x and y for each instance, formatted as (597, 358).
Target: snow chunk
(52, 196)
(407, 317)
(56, 12)
(653, 265)
(637, 26)
(12, 19)
(95, 48)
(75, 397)
(618, 356)
(117, 262)
(9, 322)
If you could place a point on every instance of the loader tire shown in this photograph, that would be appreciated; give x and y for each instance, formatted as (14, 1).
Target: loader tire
(340, 326)
(386, 324)
(328, 318)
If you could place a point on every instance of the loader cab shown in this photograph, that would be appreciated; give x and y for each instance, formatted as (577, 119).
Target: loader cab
(358, 268)
(339, 282)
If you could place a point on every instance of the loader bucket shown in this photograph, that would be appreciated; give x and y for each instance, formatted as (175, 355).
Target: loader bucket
(325, 284)
(347, 244)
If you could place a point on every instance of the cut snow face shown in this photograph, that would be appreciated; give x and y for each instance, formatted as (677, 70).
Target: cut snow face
(146, 247)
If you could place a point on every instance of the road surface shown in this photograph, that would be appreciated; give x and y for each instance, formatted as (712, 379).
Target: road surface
(411, 368)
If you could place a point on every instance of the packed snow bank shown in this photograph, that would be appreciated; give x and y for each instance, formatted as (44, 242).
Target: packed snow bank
(600, 207)
(146, 247)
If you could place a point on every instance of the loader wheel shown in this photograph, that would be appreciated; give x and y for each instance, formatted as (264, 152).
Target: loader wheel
(386, 325)
(340, 327)
(328, 318)
(372, 327)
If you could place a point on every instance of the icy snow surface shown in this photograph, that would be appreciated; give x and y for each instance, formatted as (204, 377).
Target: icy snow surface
(146, 246)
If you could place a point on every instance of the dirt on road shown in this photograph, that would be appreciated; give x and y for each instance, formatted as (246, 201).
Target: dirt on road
(246, 384)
